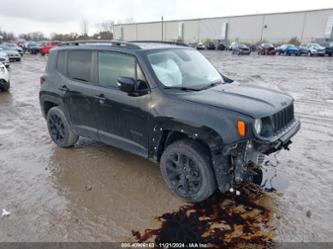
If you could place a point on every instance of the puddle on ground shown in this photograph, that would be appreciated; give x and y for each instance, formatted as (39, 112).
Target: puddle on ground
(224, 220)
(274, 180)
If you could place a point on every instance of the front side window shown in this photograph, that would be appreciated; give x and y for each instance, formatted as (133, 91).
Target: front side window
(79, 65)
(183, 68)
(111, 66)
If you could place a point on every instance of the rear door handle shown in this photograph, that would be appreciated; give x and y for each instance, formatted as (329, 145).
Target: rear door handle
(64, 88)
(101, 98)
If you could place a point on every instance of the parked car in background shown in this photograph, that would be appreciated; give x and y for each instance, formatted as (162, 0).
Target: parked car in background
(328, 48)
(32, 47)
(266, 49)
(45, 49)
(4, 59)
(312, 49)
(4, 78)
(13, 46)
(221, 47)
(201, 46)
(232, 45)
(241, 49)
(287, 49)
(211, 46)
(13, 55)
(303, 49)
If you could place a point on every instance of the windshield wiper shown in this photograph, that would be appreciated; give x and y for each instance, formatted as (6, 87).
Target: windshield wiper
(212, 84)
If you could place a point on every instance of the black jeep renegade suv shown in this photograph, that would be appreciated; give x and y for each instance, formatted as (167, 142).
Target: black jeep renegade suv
(167, 103)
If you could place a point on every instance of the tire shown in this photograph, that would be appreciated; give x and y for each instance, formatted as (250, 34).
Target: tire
(59, 129)
(6, 86)
(186, 168)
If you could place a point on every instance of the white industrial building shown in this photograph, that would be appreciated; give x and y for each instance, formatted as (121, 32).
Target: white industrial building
(307, 26)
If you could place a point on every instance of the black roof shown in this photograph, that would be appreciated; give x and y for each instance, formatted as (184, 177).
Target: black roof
(130, 45)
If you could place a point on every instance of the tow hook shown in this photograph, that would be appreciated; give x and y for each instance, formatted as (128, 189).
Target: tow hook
(286, 146)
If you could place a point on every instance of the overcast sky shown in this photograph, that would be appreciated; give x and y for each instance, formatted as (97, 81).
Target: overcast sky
(65, 16)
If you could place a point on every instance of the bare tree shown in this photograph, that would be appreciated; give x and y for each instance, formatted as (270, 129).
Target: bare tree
(106, 26)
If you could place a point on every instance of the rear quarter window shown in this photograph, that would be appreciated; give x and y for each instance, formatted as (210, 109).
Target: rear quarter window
(79, 65)
(61, 62)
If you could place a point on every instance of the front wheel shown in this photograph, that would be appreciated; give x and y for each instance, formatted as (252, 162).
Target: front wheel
(59, 128)
(186, 168)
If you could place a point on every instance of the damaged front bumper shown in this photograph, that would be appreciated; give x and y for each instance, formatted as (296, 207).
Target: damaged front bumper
(280, 141)
(243, 160)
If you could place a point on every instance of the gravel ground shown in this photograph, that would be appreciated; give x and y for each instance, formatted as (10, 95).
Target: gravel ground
(98, 193)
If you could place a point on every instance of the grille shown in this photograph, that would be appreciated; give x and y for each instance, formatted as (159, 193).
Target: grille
(283, 118)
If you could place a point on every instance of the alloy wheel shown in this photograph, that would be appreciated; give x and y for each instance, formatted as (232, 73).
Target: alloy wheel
(183, 173)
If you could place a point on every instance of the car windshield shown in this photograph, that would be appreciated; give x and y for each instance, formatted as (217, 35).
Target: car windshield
(315, 45)
(10, 45)
(267, 45)
(4, 47)
(183, 68)
(242, 46)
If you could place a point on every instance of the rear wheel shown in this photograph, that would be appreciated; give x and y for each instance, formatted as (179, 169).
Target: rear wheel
(187, 170)
(59, 128)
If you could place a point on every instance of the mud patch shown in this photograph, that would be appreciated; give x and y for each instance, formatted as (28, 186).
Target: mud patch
(222, 221)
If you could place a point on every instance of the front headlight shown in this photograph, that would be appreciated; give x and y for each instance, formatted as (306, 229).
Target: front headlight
(258, 125)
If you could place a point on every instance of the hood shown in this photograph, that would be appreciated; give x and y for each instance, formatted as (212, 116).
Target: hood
(253, 101)
(317, 48)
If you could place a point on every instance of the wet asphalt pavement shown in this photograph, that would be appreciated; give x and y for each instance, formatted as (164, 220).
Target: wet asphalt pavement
(95, 192)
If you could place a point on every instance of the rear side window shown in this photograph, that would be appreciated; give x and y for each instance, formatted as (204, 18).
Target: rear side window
(61, 62)
(79, 65)
(111, 66)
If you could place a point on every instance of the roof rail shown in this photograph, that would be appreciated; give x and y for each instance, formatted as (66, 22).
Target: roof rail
(163, 42)
(101, 42)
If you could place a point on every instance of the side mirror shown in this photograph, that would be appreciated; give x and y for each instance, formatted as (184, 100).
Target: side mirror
(127, 84)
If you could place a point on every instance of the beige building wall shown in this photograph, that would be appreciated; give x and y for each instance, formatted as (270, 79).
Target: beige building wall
(149, 31)
(211, 28)
(280, 27)
(315, 24)
(283, 27)
(130, 32)
(170, 31)
(245, 28)
(191, 31)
